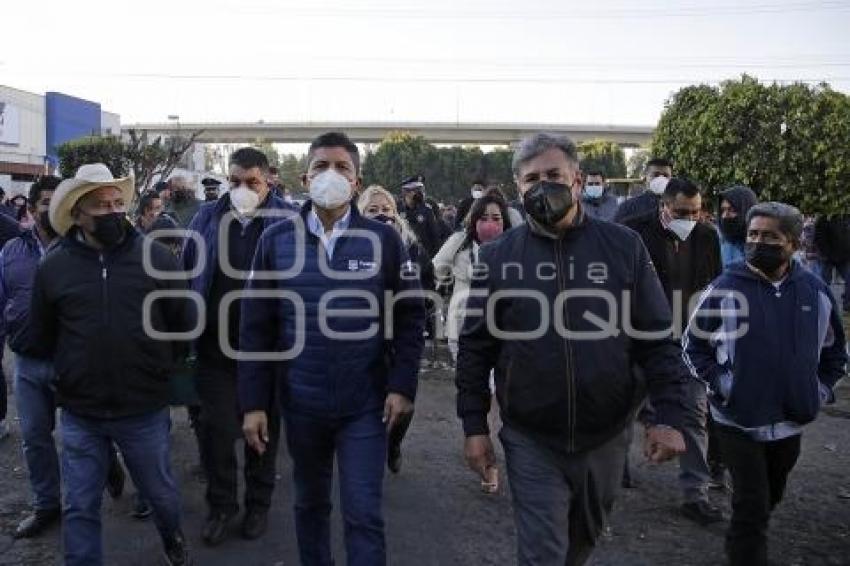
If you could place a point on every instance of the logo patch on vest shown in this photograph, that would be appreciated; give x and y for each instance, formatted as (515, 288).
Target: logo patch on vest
(360, 265)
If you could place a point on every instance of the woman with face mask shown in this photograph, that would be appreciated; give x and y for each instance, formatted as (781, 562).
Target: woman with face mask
(378, 204)
(488, 219)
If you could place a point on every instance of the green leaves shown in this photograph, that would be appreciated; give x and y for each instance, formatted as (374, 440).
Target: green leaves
(145, 159)
(93, 149)
(449, 171)
(788, 142)
(603, 155)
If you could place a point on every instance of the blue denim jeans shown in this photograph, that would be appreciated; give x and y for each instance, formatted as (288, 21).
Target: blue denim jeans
(36, 403)
(360, 444)
(145, 445)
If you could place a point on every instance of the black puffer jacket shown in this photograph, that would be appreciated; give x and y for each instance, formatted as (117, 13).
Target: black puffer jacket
(570, 388)
(87, 315)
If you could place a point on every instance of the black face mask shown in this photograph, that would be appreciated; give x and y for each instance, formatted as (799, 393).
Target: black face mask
(733, 229)
(179, 196)
(46, 227)
(109, 229)
(548, 203)
(384, 219)
(765, 257)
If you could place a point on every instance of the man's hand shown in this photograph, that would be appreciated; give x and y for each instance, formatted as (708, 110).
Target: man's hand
(396, 407)
(255, 427)
(662, 443)
(478, 450)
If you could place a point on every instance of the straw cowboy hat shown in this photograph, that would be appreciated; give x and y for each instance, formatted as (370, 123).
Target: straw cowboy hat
(88, 178)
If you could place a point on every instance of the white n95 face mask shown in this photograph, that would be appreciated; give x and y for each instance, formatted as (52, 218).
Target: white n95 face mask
(329, 189)
(244, 200)
(682, 228)
(658, 184)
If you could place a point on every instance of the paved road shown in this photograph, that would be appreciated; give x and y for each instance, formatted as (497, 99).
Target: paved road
(436, 514)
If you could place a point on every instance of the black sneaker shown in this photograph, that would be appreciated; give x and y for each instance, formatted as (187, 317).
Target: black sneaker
(175, 550)
(702, 512)
(141, 508)
(215, 529)
(37, 522)
(254, 523)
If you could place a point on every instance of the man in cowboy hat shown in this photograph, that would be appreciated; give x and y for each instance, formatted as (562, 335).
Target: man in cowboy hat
(108, 316)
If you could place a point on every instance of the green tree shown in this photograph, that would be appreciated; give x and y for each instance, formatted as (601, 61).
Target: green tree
(788, 142)
(138, 155)
(449, 171)
(636, 164)
(603, 155)
(290, 170)
(271, 152)
(108, 150)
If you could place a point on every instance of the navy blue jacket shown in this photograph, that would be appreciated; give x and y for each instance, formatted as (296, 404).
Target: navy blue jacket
(791, 346)
(18, 263)
(206, 223)
(331, 376)
(568, 381)
(645, 203)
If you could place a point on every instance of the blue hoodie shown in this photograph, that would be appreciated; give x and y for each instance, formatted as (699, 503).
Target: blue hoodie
(790, 353)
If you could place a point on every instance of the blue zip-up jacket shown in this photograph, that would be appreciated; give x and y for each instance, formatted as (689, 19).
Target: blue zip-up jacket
(770, 364)
(206, 223)
(730, 252)
(332, 376)
(18, 262)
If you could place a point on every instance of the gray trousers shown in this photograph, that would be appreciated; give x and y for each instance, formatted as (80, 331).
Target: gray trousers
(694, 473)
(560, 501)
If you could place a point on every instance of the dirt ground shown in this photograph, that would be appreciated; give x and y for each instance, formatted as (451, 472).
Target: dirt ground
(437, 515)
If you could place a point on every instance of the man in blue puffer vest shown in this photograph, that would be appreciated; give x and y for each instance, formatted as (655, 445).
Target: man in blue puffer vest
(341, 340)
(768, 340)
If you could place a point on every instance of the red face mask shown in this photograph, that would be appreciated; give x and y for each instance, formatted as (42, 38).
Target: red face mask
(488, 230)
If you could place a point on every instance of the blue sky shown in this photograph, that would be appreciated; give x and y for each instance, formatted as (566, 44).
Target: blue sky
(602, 62)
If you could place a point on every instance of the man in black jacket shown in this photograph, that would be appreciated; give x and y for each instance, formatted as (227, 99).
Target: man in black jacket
(658, 172)
(420, 216)
(544, 311)
(107, 311)
(832, 240)
(686, 254)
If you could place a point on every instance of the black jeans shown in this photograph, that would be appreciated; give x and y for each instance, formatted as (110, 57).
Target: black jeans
(759, 472)
(220, 427)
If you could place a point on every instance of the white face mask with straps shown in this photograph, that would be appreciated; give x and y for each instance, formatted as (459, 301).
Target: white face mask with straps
(658, 184)
(329, 189)
(682, 228)
(244, 200)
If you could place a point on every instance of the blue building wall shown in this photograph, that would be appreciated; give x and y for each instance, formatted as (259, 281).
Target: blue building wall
(68, 118)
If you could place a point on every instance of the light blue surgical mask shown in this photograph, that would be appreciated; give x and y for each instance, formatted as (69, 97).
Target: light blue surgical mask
(594, 191)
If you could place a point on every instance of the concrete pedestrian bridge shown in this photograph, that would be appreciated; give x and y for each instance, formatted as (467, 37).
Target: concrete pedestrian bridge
(374, 132)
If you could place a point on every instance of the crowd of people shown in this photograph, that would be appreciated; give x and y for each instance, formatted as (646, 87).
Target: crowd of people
(579, 318)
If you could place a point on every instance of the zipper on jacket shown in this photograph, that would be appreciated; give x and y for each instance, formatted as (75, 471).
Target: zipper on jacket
(568, 357)
(104, 275)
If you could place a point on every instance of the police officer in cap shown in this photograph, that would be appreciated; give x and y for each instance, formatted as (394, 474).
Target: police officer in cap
(419, 215)
(210, 188)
